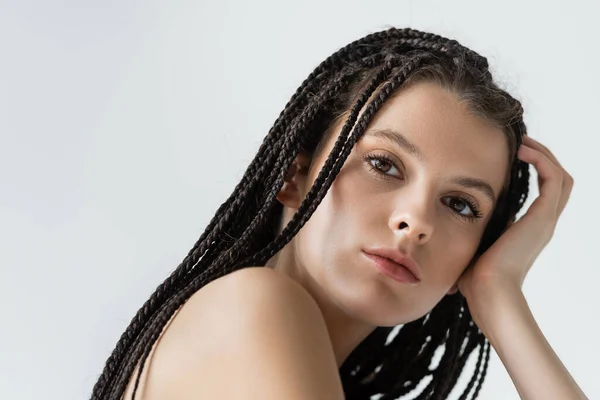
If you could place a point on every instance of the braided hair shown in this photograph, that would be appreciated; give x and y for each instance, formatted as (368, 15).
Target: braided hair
(245, 229)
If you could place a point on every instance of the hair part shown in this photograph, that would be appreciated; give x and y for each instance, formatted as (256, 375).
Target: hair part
(245, 229)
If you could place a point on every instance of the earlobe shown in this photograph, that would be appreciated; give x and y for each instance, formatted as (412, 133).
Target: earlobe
(289, 195)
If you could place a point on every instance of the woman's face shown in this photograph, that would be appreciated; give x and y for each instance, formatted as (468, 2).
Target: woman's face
(403, 194)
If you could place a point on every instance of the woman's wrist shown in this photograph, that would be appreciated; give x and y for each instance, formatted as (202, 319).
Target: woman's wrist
(487, 301)
(504, 317)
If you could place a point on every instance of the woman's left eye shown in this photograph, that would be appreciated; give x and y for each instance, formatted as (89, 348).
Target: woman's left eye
(463, 204)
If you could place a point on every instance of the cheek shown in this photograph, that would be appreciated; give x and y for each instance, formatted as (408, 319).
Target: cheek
(453, 257)
(340, 223)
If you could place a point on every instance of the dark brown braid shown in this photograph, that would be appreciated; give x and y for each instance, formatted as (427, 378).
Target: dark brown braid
(245, 229)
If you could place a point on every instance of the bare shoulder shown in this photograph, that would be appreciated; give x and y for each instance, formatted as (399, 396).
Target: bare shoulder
(254, 333)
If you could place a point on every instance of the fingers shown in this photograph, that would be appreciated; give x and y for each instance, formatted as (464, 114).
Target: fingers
(550, 178)
(529, 141)
(567, 179)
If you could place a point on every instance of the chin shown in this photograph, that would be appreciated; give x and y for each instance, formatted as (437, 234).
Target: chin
(373, 298)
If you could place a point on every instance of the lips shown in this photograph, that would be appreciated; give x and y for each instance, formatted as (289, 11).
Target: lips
(398, 259)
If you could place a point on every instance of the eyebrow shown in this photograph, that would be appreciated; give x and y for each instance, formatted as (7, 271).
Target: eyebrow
(394, 137)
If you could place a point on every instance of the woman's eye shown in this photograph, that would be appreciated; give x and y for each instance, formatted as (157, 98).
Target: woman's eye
(460, 206)
(382, 165)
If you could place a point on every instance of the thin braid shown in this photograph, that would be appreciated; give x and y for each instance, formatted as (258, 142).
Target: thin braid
(449, 359)
(475, 374)
(466, 332)
(484, 370)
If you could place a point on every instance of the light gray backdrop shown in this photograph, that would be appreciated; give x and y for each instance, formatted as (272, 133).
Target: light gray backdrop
(124, 125)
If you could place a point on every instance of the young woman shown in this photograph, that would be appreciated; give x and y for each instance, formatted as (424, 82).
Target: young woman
(384, 196)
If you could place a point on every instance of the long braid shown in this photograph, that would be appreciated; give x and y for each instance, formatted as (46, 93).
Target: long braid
(197, 283)
(486, 349)
(480, 358)
(235, 239)
(239, 243)
(221, 219)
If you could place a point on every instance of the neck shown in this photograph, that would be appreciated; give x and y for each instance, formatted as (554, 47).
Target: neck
(345, 332)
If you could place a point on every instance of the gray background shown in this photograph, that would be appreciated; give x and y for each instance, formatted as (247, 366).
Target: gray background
(125, 124)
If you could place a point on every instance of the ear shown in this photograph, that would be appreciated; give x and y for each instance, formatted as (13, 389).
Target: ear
(292, 192)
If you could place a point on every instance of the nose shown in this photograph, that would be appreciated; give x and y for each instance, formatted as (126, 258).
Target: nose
(412, 221)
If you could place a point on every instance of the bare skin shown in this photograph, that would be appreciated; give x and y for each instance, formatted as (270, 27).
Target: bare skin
(406, 203)
(252, 334)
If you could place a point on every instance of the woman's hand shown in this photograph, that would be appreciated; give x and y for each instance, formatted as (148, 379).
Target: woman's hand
(505, 264)
(492, 287)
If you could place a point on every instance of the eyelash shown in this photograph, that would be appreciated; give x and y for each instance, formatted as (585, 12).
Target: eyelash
(382, 157)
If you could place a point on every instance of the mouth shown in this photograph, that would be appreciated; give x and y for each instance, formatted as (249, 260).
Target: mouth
(392, 269)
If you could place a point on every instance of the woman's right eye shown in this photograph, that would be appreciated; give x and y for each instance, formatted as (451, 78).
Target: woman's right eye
(382, 165)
